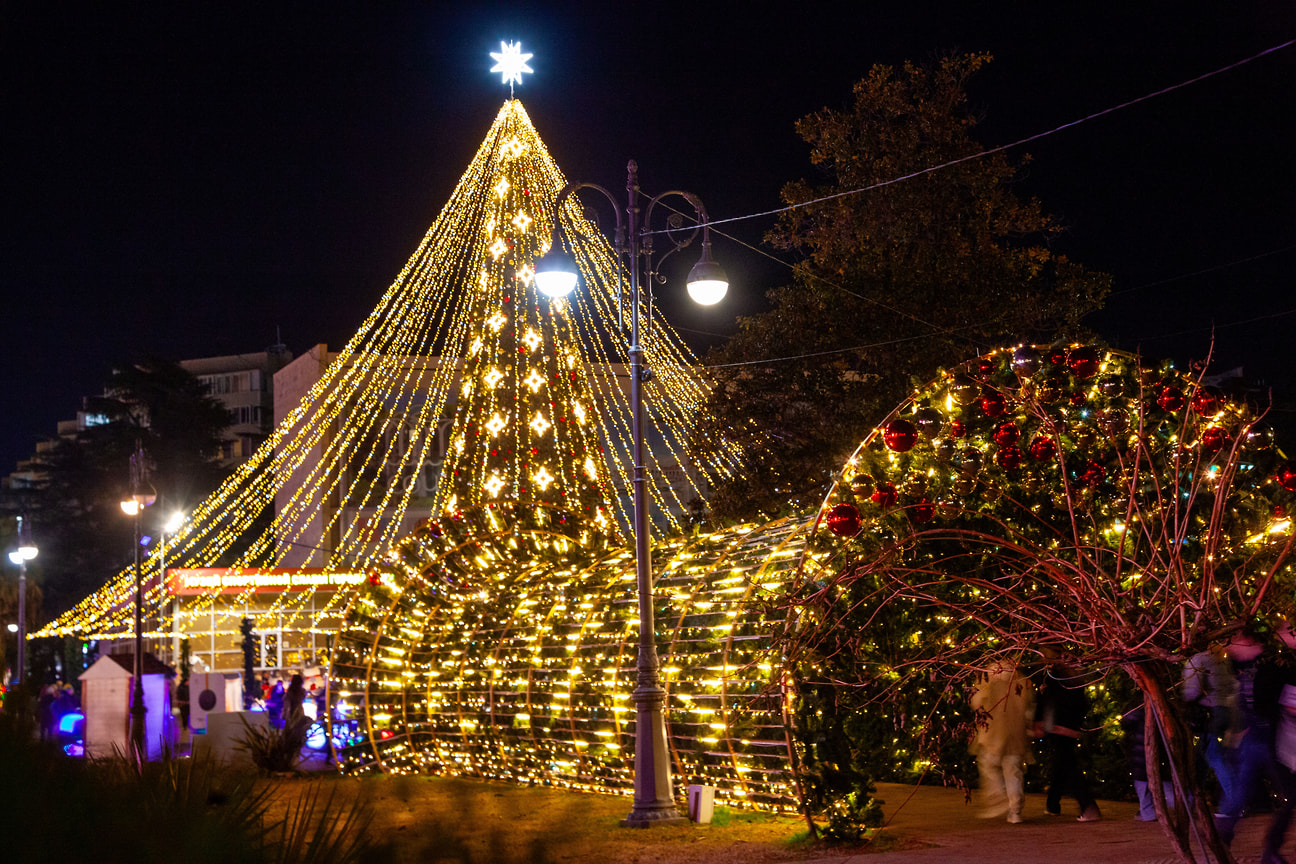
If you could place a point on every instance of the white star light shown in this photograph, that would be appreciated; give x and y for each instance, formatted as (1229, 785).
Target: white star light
(511, 62)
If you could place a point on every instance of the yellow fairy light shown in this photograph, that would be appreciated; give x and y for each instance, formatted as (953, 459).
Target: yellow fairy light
(591, 470)
(475, 348)
(533, 339)
(579, 411)
(525, 274)
(497, 321)
(498, 248)
(514, 147)
(522, 221)
(501, 189)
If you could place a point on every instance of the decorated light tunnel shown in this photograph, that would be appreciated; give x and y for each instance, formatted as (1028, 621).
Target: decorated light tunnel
(502, 642)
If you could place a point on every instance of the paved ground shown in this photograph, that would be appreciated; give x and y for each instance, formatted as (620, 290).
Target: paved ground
(954, 833)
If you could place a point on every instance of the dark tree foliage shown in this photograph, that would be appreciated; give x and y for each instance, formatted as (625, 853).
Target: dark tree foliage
(83, 536)
(891, 284)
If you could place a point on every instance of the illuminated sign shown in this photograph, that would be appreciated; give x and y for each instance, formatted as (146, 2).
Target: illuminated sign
(231, 580)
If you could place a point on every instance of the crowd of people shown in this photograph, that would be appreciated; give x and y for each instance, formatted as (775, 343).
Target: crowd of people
(1241, 697)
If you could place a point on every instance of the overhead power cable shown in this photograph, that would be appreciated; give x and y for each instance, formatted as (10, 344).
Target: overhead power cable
(1002, 147)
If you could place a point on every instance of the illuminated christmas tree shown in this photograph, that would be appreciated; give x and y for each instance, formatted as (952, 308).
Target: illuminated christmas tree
(529, 389)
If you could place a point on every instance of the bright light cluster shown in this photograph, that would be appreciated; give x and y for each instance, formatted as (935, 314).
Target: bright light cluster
(502, 643)
(530, 390)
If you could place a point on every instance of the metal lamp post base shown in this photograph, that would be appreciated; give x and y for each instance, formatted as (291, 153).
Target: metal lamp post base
(653, 803)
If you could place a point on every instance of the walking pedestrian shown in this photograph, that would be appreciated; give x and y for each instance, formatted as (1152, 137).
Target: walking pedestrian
(1248, 743)
(1002, 700)
(1059, 718)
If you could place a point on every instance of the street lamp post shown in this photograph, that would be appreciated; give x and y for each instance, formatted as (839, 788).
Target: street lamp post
(555, 276)
(142, 495)
(25, 552)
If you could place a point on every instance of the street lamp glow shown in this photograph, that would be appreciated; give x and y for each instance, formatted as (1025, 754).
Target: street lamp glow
(707, 281)
(555, 273)
(13, 628)
(173, 524)
(130, 507)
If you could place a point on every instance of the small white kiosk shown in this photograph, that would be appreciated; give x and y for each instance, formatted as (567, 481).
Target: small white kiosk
(107, 688)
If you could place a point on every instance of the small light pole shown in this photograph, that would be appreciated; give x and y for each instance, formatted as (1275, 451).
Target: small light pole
(142, 495)
(25, 552)
(555, 277)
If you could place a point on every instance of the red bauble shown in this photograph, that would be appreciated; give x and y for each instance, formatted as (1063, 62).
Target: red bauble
(1205, 401)
(375, 577)
(1084, 361)
(1077, 398)
(1171, 399)
(922, 512)
(993, 403)
(1008, 457)
(843, 520)
(1056, 357)
(900, 435)
(985, 366)
(1214, 439)
(1043, 449)
(957, 428)
(1006, 433)
(884, 495)
(1286, 477)
(861, 485)
(1093, 474)
(1279, 511)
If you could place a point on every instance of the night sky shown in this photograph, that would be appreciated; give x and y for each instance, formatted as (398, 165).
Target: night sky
(181, 179)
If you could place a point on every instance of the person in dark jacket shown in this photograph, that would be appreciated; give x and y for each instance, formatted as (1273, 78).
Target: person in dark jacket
(1060, 711)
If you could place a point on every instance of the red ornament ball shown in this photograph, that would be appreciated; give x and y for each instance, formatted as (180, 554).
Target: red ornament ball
(1043, 449)
(1006, 433)
(1077, 398)
(1214, 439)
(861, 485)
(957, 428)
(1084, 361)
(922, 512)
(1057, 357)
(843, 520)
(1286, 477)
(375, 577)
(884, 495)
(1171, 399)
(993, 403)
(985, 366)
(1093, 474)
(1205, 401)
(900, 435)
(1009, 457)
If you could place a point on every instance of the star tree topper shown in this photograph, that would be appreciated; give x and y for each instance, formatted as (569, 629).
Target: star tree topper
(511, 63)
